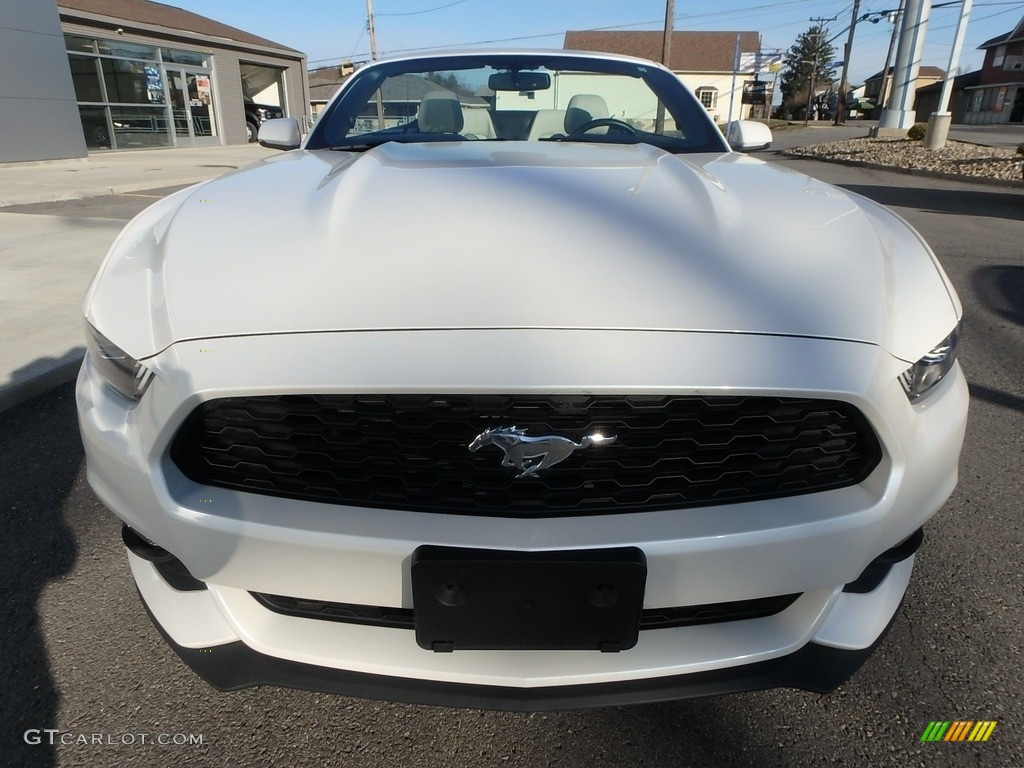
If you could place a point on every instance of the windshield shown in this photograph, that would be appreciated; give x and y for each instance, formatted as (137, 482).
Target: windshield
(515, 98)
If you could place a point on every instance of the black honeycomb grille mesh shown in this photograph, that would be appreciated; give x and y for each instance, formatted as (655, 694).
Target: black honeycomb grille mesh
(410, 452)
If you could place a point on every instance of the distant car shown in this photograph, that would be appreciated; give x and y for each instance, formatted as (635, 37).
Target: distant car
(533, 395)
(256, 115)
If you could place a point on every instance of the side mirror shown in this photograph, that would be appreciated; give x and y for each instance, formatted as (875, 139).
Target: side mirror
(281, 133)
(748, 135)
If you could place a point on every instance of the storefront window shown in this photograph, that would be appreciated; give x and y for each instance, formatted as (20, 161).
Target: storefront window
(132, 82)
(125, 50)
(95, 127)
(122, 89)
(140, 126)
(76, 43)
(191, 58)
(85, 78)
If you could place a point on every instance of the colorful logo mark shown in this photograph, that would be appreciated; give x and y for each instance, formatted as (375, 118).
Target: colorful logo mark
(958, 730)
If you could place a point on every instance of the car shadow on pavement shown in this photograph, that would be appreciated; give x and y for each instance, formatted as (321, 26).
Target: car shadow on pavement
(1001, 289)
(39, 376)
(970, 202)
(41, 458)
(997, 397)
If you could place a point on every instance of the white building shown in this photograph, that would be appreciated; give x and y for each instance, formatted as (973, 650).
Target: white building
(704, 61)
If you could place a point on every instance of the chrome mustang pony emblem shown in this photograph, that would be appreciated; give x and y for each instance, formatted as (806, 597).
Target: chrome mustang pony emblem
(532, 454)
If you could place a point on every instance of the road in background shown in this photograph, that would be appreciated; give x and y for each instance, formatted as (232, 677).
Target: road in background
(1005, 136)
(81, 656)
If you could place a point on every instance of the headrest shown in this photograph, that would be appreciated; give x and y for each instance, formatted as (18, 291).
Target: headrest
(584, 107)
(439, 112)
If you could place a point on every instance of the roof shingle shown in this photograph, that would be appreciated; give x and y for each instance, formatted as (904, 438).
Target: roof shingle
(158, 14)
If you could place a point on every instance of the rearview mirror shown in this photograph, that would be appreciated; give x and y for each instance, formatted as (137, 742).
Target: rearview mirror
(748, 135)
(519, 81)
(281, 133)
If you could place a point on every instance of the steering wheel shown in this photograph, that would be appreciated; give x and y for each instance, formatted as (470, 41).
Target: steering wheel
(613, 124)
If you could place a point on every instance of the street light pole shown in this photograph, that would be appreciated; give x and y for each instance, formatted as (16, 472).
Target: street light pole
(938, 123)
(899, 116)
(883, 94)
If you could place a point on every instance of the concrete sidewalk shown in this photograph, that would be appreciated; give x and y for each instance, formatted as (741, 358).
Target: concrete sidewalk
(47, 261)
(105, 173)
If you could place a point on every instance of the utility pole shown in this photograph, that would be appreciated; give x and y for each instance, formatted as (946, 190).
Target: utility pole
(666, 40)
(938, 123)
(844, 80)
(372, 29)
(736, 66)
(666, 57)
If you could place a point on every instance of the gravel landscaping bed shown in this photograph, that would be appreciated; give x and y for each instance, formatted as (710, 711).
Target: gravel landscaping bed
(956, 160)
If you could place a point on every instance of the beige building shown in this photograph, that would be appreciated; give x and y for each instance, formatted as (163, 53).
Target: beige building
(704, 61)
(877, 83)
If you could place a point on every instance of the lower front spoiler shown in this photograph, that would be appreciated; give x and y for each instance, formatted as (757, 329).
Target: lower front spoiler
(232, 666)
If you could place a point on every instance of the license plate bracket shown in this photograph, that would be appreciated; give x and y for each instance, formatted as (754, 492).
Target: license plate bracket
(485, 599)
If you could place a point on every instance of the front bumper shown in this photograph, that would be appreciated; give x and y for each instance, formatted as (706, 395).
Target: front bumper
(238, 543)
(194, 626)
(232, 666)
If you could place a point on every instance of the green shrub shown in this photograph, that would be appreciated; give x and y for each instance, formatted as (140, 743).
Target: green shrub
(916, 132)
(1020, 149)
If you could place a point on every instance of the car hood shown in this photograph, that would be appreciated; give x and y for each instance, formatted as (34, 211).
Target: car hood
(519, 235)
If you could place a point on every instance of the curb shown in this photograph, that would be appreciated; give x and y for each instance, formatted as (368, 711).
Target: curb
(20, 392)
(1004, 183)
(99, 191)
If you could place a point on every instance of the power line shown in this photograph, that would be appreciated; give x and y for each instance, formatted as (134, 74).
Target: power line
(982, 18)
(678, 17)
(362, 32)
(428, 10)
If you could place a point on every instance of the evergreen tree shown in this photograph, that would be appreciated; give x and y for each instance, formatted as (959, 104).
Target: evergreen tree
(798, 65)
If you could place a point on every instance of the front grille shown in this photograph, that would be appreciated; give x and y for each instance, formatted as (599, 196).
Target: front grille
(410, 452)
(404, 618)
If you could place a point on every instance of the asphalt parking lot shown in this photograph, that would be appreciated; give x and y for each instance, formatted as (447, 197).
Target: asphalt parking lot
(81, 657)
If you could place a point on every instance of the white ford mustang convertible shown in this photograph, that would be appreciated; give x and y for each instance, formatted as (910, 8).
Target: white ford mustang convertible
(535, 394)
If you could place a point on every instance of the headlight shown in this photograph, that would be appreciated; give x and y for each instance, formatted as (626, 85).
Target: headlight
(919, 378)
(121, 372)
(262, 113)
